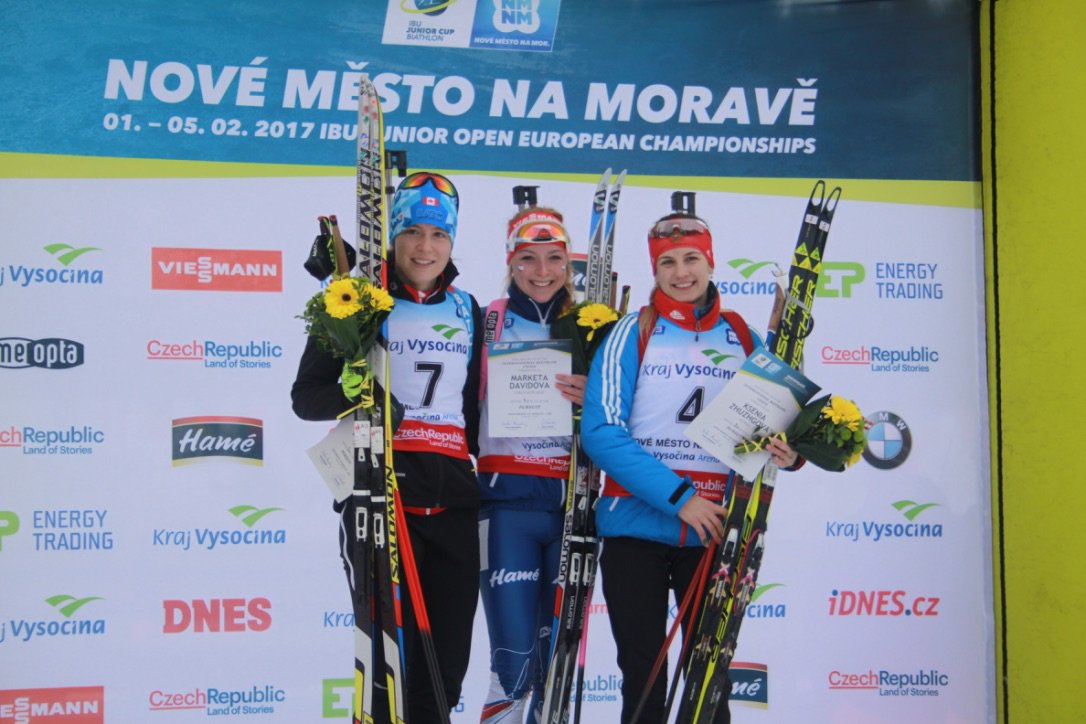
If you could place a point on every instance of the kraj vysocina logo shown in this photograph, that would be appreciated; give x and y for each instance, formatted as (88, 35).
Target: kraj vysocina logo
(912, 523)
(257, 699)
(251, 530)
(69, 705)
(70, 440)
(197, 439)
(50, 353)
(219, 270)
(888, 440)
(70, 616)
(249, 354)
(64, 270)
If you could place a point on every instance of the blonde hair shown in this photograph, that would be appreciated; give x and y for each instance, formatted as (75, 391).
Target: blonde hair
(570, 299)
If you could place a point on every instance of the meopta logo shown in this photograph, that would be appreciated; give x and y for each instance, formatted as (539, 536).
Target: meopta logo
(70, 620)
(251, 354)
(882, 603)
(196, 439)
(71, 529)
(217, 270)
(51, 353)
(56, 441)
(257, 699)
(72, 705)
(64, 255)
(217, 615)
(888, 440)
(882, 359)
(249, 534)
(910, 526)
(921, 682)
(907, 280)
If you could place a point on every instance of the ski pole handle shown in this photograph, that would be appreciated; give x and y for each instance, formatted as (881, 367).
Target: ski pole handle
(342, 267)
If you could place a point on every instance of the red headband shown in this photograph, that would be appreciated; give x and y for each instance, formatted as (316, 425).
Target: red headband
(680, 231)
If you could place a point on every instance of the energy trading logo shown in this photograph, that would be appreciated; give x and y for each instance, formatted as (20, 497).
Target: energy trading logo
(70, 625)
(880, 530)
(251, 354)
(836, 278)
(219, 702)
(71, 705)
(71, 529)
(51, 353)
(240, 439)
(65, 254)
(888, 440)
(220, 270)
(919, 683)
(9, 525)
(907, 280)
(212, 538)
(217, 615)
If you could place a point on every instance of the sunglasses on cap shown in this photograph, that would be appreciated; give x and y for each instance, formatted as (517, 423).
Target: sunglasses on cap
(678, 226)
(537, 232)
(439, 182)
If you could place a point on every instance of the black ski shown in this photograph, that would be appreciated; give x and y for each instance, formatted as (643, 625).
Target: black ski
(737, 562)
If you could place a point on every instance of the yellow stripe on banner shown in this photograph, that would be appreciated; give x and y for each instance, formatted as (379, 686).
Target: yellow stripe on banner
(958, 194)
(37, 165)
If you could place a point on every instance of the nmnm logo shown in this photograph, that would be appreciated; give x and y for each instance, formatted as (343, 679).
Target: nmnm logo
(52, 353)
(240, 439)
(72, 705)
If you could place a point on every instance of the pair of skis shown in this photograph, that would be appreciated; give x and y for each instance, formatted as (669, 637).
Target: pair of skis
(736, 562)
(580, 544)
(374, 505)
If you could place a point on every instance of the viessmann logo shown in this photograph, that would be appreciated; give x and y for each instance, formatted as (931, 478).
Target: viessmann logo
(51, 353)
(196, 439)
(70, 705)
(220, 270)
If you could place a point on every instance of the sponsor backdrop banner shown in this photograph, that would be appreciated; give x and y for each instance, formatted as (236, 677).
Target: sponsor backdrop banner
(166, 550)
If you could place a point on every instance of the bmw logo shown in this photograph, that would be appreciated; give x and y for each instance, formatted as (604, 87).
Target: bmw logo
(888, 440)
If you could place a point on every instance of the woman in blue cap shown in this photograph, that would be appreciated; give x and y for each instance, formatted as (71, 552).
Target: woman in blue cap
(434, 352)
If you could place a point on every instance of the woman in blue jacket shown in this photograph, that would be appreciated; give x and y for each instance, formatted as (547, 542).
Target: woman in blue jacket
(662, 499)
(522, 480)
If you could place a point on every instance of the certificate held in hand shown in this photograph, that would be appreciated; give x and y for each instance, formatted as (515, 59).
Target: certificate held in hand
(522, 397)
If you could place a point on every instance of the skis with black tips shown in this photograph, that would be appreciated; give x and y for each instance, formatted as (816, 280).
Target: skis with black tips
(737, 561)
(580, 544)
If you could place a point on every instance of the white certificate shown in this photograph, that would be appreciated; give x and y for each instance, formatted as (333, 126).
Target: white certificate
(522, 397)
(763, 398)
(333, 457)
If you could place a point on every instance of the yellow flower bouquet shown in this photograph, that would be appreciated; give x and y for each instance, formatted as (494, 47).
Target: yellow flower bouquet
(345, 318)
(828, 432)
(586, 325)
